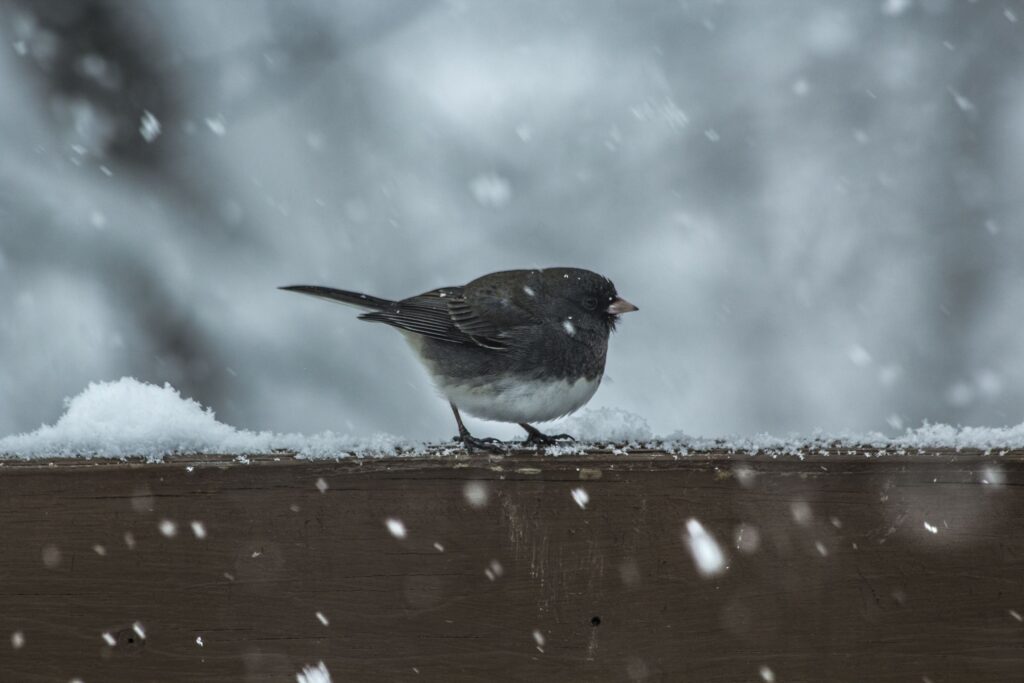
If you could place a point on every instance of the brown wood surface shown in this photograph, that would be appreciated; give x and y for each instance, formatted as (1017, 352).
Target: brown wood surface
(845, 584)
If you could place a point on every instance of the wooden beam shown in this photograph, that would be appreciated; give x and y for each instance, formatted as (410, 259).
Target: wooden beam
(840, 567)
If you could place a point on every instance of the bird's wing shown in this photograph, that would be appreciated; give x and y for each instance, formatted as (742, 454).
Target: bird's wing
(455, 315)
(428, 314)
(491, 312)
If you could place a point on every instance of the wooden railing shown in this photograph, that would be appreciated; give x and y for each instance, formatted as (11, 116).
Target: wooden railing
(840, 565)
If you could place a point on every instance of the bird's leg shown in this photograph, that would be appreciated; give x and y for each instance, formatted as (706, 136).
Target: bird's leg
(470, 441)
(538, 438)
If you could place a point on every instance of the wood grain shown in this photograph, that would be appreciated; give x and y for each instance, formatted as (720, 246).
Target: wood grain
(844, 582)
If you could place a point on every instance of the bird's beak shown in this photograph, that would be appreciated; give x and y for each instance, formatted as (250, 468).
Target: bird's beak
(620, 306)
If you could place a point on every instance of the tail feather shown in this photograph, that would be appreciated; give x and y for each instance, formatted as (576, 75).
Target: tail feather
(341, 296)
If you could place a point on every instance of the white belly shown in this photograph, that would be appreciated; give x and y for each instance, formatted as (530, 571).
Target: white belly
(506, 400)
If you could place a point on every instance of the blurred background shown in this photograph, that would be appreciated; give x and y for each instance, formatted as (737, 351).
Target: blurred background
(817, 206)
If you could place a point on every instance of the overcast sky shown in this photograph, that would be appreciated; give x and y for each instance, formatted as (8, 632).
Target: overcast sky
(816, 205)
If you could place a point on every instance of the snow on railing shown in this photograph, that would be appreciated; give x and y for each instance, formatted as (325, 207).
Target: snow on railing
(129, 418)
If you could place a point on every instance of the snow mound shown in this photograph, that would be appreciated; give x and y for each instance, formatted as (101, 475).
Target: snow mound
(132, 418)
(606, 425)
(947, 437)
(982, 438)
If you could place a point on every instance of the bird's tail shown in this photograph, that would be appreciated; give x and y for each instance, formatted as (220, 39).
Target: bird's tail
(341, 296)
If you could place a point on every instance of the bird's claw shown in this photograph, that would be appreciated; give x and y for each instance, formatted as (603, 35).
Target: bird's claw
(488, 443)
(538, 439)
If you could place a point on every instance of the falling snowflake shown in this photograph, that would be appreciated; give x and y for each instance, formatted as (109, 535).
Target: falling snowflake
(494, 570)
(217, 126)
(962, 102)
(311, 674)
(51, 556)
(801, 513)
(476, 494)
(993, 475)
(396, 527)
(748, 538)
(895, 7)
(149, 126)
(491, 190)
(859, 356)
(707, 554)
(581, 497)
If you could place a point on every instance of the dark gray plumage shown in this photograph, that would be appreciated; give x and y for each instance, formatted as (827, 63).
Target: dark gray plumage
(515, 346)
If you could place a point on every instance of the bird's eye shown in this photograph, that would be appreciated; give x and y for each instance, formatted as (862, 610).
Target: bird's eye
(590, 303)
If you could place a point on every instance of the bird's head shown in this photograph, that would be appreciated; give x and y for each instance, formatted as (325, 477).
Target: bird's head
(587, 299)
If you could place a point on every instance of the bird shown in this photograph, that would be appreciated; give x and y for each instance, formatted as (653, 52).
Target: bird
(517, 346)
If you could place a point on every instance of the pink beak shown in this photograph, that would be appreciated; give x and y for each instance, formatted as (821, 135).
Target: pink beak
(620, 306)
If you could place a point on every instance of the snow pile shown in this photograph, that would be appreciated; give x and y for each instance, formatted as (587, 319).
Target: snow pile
(983, 438)
(131, 418)
(987, 439)
(606, 425)
(620, 427)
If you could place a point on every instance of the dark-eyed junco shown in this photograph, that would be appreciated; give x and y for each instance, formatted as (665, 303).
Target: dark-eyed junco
(515, 346)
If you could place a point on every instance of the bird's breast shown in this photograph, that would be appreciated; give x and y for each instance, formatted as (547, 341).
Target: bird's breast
(508, 387)
(509, 399)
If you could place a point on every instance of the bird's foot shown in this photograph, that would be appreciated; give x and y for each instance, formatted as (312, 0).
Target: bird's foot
(481, 443)
(539, 439)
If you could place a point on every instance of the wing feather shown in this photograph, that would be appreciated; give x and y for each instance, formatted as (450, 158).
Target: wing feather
(479, 314)
(429, 314)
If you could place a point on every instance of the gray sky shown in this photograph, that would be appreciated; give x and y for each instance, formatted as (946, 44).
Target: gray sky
(815, 205)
